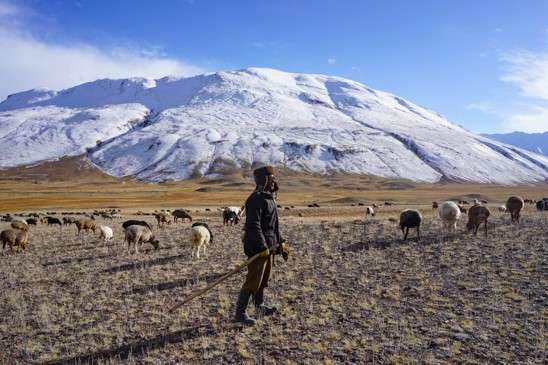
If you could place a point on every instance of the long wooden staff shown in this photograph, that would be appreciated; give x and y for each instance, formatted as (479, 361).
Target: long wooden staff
(218, 281)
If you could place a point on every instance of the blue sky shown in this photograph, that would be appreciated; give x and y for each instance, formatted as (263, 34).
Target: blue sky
(482, 64)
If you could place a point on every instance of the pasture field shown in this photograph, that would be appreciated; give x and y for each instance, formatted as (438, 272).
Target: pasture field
(352, 291)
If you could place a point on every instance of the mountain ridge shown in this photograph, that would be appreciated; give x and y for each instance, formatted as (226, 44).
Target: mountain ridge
(176, 128)
(534, 142)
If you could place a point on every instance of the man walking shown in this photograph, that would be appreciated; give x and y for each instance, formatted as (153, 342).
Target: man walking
(261, 234)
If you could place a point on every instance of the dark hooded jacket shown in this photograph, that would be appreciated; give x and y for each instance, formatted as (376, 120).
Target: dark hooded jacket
(261, 224)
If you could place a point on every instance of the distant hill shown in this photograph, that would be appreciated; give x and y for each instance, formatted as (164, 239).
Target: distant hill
(217, 124)
(535, 142)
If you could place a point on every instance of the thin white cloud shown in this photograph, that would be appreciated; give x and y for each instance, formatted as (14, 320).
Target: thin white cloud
(28, 63)
(528, 112)
(331, 61)
(529, 72)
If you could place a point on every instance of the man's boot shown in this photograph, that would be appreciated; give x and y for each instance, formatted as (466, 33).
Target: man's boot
(241, 309)
(258, 298)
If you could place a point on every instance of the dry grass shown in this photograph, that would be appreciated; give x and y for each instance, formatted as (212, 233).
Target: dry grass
(352, 291)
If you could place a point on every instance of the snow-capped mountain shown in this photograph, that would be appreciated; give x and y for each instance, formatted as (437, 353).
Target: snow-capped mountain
(175, 128)
(535, 142)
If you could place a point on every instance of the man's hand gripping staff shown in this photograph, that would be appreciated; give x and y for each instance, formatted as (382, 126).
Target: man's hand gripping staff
(281, 248)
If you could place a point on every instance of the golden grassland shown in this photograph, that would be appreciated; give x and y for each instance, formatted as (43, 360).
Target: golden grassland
(352, 292)
(72, 184)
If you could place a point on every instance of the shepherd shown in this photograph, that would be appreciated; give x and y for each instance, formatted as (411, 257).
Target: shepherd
(262, 234)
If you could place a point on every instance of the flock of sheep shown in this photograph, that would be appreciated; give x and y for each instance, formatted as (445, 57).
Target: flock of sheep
(136, 232)
(450, 212)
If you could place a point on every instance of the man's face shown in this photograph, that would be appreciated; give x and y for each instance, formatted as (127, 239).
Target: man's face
(271, 185)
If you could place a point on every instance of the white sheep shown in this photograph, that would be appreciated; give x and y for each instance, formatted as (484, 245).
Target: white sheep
(106, 233)
(369, 211)
(198, 237)
(502, 208)
(449, 213)
(238, 210)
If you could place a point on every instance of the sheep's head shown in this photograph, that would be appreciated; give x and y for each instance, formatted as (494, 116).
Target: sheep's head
(156, 244)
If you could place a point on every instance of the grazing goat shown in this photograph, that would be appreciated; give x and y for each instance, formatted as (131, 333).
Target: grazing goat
(230, 217)
(86, 225)
(19, 225)
(106, 233)
(138, 235)
(435, 205)
(203, 224)
(133, 222)
(199, 237)
(449, 213)
(410, 218)
(369, 211)
(514, 205)
(179, 213)
(388, 204)
(14, 237)
(477, 215)
(163, 218)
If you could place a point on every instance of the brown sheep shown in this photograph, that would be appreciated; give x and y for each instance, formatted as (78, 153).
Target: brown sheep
(86, 225)
(68, 221)
(514, 205)
(163, 218)
(14, 237)
(179, 213)
(462, 208)
(20, 225)
(477, 215)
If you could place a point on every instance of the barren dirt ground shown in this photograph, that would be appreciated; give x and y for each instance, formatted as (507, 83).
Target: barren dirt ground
(352, 292)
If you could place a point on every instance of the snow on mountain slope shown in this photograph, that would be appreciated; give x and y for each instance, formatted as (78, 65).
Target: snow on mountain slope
(175, 128)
